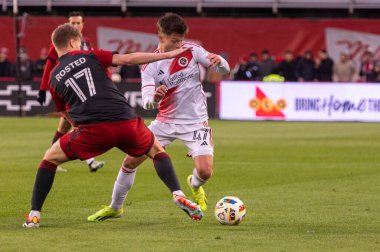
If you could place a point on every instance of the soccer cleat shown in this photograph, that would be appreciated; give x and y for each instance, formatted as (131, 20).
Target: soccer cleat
(31, 223)
(192, 209)
(198, 194)
(60, 169)
(105, 213)
(95, 165)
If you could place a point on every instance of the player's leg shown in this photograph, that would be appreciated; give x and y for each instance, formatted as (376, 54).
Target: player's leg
(64, 127)
(166, 172)
(125, 180)
(81, 143)
(123, 184)
(201, 149)
(201, 174)
(53, 157)
(126, 177)
(165, 133)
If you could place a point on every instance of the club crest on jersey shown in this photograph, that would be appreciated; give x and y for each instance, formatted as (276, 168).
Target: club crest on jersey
(183, 61)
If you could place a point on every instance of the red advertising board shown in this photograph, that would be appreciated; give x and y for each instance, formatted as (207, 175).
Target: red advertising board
(234, 36)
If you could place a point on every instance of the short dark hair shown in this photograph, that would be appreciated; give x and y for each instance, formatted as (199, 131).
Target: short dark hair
(253, 54)
(171, 23)
(76, 14)
(62, 35)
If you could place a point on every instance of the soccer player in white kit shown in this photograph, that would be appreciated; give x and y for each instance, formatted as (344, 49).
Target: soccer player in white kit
(174, 87)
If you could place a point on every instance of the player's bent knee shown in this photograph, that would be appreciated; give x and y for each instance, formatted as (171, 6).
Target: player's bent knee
(156, 149)
(205, 172)
(132, 163)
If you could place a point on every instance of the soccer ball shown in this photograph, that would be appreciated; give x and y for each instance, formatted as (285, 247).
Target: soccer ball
(230, 210)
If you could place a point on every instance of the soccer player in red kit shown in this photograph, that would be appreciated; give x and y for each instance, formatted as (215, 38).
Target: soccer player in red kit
(76, 18)
(83, 92)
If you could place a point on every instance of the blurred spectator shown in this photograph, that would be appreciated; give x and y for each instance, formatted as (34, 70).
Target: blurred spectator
(344, 70)
(130, 72)
(26, 65)
(367, 71)
(305, 69)
(267, 66)
(6, 67)
(253, 67)
(325, 66)
(213, 76)
(241, 70)
(287, 67)
(39, 65)
(377, 71)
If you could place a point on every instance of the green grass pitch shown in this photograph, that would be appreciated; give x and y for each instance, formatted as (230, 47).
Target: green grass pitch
(306, 187)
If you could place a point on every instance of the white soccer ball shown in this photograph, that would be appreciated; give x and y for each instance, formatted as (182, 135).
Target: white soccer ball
(230, 210)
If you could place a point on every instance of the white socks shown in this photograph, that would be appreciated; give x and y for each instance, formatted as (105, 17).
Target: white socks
(196, 181)
(89, 161)
(178, 193)
(123, 183)
(34, 213)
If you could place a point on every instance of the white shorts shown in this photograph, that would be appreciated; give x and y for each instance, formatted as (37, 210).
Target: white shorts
(197, 137)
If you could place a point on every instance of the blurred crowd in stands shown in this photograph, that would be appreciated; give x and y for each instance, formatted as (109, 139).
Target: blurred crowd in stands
(306, 68)
(28, 68)
(253, 67)
(33, 70)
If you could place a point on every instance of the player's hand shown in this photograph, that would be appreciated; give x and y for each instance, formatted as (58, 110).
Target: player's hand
(214, 59)
(160, 93)
(175, 53)
(41, 97)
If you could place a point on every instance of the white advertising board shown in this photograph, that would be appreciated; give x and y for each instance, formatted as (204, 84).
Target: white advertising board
(299, 101)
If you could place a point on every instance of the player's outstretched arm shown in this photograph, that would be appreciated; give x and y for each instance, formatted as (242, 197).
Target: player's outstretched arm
(139, 58)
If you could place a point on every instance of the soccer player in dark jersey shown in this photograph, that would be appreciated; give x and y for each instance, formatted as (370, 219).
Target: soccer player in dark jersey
(75, 18)
(83, 92)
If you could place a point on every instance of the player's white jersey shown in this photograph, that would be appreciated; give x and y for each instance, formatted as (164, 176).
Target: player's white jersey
(185, 101)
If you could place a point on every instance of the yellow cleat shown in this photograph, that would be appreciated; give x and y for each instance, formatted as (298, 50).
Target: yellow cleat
(198, 194)
(105, 213)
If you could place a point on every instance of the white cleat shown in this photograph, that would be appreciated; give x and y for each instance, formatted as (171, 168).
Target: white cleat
(32, 223)
(192, 209)
(95, 165)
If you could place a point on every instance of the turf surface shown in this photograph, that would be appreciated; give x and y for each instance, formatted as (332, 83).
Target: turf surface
(306, 187)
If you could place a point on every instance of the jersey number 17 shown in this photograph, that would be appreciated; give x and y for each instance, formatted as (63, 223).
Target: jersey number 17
(86, 72)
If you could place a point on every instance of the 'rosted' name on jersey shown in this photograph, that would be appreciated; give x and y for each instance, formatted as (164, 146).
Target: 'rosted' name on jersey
(70, 66)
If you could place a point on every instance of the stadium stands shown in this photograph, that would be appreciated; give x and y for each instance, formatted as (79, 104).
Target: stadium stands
(199, 4)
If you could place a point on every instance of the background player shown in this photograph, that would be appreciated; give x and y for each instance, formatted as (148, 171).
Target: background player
(103, 117)
(173, 86)
(76, 18)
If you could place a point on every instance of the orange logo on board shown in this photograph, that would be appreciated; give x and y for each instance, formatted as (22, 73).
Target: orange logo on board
(265, 107)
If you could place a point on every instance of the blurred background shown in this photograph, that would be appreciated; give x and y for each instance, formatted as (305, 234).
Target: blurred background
(302, 60)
